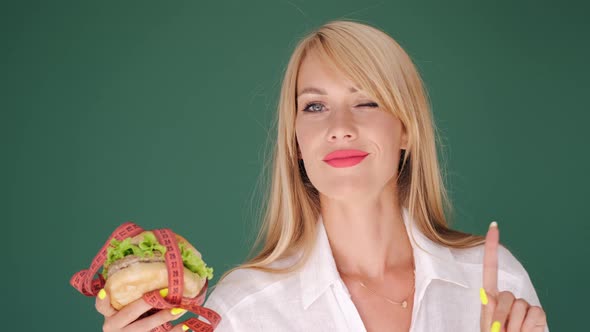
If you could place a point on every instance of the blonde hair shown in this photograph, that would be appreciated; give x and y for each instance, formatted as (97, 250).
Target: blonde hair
(378, 64)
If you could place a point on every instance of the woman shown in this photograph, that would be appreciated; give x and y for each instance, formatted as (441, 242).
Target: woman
(355, 236)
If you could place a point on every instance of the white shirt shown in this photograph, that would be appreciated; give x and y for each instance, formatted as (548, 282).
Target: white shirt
(316, 299)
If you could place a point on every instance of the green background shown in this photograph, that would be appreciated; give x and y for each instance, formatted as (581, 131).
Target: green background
(160, 112)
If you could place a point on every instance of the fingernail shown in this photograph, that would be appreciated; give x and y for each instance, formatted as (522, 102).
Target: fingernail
(164, 292)
(495, 327)
(102, 294)
(483, 296)
(493, 224)
(177, 311)
(184, 327)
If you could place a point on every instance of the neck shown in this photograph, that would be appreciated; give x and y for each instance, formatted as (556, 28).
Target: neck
(368, 238)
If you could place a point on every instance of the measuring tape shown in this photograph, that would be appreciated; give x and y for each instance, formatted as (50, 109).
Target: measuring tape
(86, 284)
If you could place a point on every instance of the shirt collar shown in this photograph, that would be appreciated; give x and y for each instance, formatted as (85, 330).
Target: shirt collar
(436, 262)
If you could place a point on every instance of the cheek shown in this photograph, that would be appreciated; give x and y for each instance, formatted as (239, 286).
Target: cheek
(389, 131)
(382, 130)
(386, 135)
(305, 137)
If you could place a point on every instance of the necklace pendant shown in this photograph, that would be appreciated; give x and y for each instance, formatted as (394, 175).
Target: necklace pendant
(404, 304)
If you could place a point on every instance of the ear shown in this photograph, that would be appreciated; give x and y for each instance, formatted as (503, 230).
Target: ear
(404, 139)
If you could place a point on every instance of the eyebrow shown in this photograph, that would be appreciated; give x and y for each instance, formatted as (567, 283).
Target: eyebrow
(319, 91)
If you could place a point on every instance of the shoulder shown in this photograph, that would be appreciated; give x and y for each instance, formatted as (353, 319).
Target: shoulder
(246, 286)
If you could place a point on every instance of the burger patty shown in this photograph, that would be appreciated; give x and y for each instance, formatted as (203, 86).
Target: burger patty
(132, 259)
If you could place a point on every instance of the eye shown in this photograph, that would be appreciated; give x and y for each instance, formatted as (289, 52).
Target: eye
(316, 110)
(307, 106)
(370, 104)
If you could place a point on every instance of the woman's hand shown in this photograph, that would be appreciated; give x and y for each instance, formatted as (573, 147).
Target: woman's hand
(501, 311)
(125, 319)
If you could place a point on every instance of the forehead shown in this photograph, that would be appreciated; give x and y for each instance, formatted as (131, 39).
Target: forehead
(314, 67)
(315, 74)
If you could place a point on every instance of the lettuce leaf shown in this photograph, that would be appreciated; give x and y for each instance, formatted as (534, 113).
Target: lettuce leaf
(192, 262)
(119, 249)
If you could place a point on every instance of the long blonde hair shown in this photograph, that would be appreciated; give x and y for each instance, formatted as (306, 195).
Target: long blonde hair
(378, 64)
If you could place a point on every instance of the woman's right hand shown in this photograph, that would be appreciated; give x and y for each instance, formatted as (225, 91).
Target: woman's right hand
(124, 320)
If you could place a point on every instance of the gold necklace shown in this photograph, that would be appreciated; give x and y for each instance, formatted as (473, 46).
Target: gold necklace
(404, 303)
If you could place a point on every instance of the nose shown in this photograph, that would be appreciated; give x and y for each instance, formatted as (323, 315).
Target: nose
(341, 126)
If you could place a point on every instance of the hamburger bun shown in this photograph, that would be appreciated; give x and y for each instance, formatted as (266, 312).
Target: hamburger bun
(131, 277)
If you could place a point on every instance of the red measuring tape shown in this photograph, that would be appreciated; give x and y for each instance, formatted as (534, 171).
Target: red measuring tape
(86, 284)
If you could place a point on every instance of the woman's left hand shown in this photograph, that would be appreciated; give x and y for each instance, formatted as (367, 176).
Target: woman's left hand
(501, 311)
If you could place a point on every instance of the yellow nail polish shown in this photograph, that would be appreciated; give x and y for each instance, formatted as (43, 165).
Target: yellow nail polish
(483, 296)
(102, 294)
(164, 292)
(177, 311)
(495, 327)
(184, 327)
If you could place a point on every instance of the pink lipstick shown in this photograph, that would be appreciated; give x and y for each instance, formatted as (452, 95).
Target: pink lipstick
(345, 158)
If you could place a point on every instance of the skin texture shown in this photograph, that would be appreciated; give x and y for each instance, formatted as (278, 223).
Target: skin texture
(359, 204)
(362, 197)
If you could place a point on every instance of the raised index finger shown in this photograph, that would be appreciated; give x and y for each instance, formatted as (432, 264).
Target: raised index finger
(490, 259)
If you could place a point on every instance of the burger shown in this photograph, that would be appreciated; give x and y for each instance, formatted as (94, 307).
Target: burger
(136, 265)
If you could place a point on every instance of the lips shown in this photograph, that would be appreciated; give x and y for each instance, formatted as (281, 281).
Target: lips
(343, 154)
(345, 158)
(345, 162)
